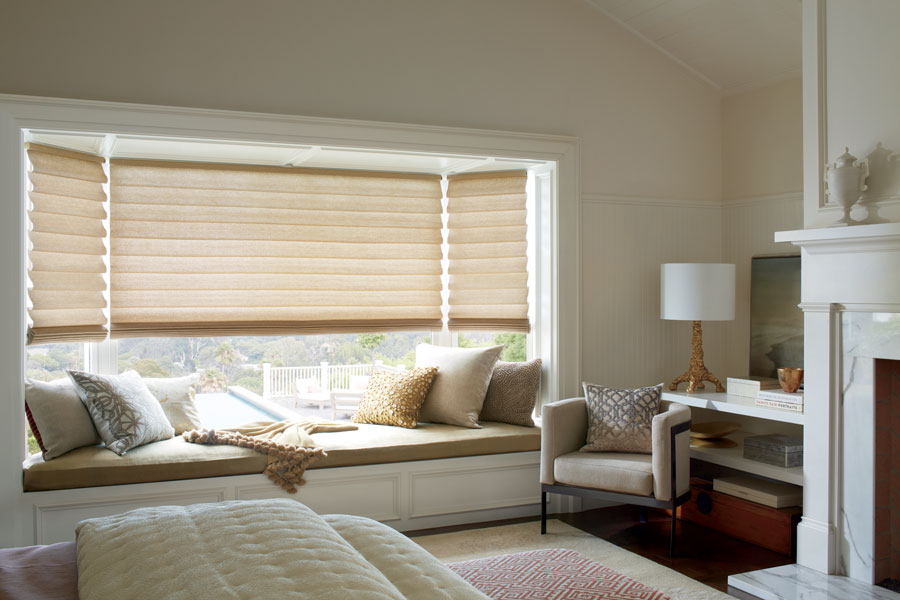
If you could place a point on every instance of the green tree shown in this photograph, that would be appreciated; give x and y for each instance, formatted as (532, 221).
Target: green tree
(513, 346)
(370, 341)
(147, 367)
(213, 380)
(227, 356)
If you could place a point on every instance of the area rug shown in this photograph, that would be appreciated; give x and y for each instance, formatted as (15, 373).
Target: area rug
(523, 537)
(551, 574)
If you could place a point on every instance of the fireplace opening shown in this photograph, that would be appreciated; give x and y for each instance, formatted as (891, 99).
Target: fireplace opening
(887, 474)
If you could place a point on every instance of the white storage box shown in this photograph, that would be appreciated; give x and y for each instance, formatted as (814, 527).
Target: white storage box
(767, 493)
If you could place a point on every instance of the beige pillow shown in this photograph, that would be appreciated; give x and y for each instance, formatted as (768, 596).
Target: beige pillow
(124, 411)
(461, 383)
(395, 397)
(176, 395)
(620, 420)
(58, 418)
(512, 393)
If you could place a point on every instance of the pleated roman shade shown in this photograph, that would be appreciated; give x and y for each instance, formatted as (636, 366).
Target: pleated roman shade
(209, 249)
(488, 251)
(67, 246)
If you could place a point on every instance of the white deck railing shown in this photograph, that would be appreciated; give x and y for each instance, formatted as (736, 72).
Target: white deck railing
(278, 382)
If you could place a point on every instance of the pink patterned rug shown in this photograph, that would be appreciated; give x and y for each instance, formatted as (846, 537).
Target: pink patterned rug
(551, 574)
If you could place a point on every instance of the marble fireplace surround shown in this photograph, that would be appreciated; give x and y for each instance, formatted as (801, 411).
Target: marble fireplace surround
(851, 302)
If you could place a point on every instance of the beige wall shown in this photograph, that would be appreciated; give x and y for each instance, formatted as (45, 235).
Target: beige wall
(542, 66)
(862, 87)
(762, 187)
(650, 131)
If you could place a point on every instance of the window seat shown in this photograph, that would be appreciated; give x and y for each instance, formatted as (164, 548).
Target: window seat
(176, 459)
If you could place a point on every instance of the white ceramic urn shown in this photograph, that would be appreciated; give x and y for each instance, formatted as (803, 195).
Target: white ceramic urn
(845, 181)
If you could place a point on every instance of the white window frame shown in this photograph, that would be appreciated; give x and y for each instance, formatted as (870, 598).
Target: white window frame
(557, 324)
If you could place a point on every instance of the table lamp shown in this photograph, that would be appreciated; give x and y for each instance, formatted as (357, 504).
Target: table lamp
(697, 292)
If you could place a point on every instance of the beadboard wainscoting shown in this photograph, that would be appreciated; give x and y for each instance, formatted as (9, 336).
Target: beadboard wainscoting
(625, 240)
(748, 225)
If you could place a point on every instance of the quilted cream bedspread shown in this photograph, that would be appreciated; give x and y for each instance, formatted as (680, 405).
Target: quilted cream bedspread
(260, 549)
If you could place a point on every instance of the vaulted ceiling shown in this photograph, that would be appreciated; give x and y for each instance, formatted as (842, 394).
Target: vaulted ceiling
(734, 45)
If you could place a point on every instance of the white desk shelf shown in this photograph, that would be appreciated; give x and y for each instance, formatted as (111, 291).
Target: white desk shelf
(736, 405)
(734, 458)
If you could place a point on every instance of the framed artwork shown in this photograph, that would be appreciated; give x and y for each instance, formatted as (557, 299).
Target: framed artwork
(776, 322)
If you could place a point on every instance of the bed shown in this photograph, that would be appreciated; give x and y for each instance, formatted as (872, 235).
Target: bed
(242, 549)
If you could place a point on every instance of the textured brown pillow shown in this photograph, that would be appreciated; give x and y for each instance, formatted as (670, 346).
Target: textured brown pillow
(620, 420)
(395, 397)
(513, 390)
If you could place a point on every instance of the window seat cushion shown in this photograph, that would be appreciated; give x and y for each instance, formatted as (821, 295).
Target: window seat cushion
(175, 459)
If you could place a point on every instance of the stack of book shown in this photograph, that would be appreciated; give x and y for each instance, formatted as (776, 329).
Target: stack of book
(781, 400)
(749, 387)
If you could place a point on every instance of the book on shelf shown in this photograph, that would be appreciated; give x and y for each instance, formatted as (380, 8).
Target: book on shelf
(781, 396)
(749, 387)
(791, 406)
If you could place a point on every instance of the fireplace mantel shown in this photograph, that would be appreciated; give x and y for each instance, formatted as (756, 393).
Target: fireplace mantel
(846, 270)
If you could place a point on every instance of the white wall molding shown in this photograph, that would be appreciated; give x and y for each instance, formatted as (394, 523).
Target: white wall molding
(636, 200)
(783, 197)
(815, 109)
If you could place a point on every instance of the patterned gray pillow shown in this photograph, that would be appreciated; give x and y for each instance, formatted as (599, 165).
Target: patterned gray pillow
(511, 395)
(620, 420)
(124, 411)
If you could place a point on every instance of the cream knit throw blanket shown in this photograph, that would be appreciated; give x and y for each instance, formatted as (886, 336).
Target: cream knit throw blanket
(286, 443)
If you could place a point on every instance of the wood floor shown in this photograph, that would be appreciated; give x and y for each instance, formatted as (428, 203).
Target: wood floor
(702, 554)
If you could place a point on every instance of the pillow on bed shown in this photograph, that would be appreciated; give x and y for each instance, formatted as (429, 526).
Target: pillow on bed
(124, 411)
(176, 395)
(462, 381)
(395, 397)
(620, 420)
(58, 419)
(512, 393)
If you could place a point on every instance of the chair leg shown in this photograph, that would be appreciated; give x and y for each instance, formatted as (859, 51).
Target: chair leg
(672, 532)
(543, 512)
(644, 515)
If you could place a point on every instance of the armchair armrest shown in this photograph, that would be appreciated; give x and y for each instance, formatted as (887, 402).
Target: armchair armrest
(563, 429)
(674, 420)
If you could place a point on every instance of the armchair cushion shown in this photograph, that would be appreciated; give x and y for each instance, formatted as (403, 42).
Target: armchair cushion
(620, 420)
(671, 415)
(563, 427)
(627, 473)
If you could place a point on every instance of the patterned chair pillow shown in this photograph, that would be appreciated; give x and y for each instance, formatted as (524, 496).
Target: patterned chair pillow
(620, 420)
(124, 411)
(512, 393)
(395, 397)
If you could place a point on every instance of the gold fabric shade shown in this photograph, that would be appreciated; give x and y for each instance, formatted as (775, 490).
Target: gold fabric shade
(67, 246)
(202, 250)
(488, 251)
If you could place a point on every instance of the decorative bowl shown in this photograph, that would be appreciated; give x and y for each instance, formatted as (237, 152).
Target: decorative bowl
(790, 379)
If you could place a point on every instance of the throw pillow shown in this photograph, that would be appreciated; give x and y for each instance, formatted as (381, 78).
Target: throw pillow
(512, 393)
(124, 411)
(395, 397)
(176, 395)
(58, 419)
(620, 420)
(457, 395)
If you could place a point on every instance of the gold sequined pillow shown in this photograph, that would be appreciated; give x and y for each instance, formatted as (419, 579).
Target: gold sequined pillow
(395, 397)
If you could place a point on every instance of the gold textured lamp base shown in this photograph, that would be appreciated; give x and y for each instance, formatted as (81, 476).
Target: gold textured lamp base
(697, 373)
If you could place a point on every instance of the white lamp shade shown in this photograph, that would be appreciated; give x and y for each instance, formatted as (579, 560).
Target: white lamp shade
(697, 292)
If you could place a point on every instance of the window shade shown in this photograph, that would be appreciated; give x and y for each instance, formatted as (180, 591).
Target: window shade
(67, 246)
(205, 250)
(488, 251)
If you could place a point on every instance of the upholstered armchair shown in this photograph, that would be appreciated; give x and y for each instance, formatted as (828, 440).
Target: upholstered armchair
(660, 479)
